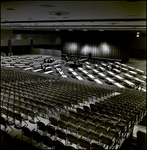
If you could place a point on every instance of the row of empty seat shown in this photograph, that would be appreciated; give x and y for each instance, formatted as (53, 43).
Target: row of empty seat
(102, 70)
(92, 114)
(42, 64)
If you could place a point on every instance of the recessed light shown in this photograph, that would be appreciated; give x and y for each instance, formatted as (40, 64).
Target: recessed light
(101, 30)
(70, 30)
(58, 13)
(84, 29)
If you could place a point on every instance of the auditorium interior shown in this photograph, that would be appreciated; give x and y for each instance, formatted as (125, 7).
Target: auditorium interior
(73, 75)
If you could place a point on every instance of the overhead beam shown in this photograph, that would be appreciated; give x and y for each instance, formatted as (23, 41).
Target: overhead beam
(77, 20)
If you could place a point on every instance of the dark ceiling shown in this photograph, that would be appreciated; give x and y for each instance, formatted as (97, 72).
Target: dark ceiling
(74, 15)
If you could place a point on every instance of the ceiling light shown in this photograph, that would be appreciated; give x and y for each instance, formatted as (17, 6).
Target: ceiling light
(84, 29)
(138, 32)
(137, 35)
(58, 13)
(57, 30)
(101, 30)
(70, 30)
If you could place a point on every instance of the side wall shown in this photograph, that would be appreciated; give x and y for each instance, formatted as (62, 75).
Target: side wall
(138, 47)
(111, 45)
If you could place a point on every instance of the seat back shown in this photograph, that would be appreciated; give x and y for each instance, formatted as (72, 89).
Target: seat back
(83, 143)
(97, 146)
(63, 117)
(72, 138)
(47, 141)
(36, 136)
(3, 122)
(51, 130)
(62, 124)
(83, 132)
(41, 126)
(61, 134)
(58, 145)
(72, 128)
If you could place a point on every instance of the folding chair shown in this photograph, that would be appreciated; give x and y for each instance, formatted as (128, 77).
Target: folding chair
(106, 140)
(99, 122)
(72, 128)
(46, 141)
(82, 132)
(24, 112)
(62, 125)
(53, 121)
(62, 135)
(90, 119)
(8, 141)
(102, 129)
(69, 148)
(41, 126)
(11, 118)
(19, 118)
(98, 146)
(84, 144)
(94, 136)
(3, 122)
(63, 117)
(81, 123)
(32, 116)
(72, 114)
(51, 130)
(26, 133)
(36, 139)
(91, 127)
(81, 116)
(73, 139)
(58, 145)
(4, 113)
(72, 120)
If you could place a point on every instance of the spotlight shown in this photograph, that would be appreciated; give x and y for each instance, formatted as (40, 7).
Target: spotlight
(137, 35)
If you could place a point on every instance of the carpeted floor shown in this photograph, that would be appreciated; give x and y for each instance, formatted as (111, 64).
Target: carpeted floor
(137, 63)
